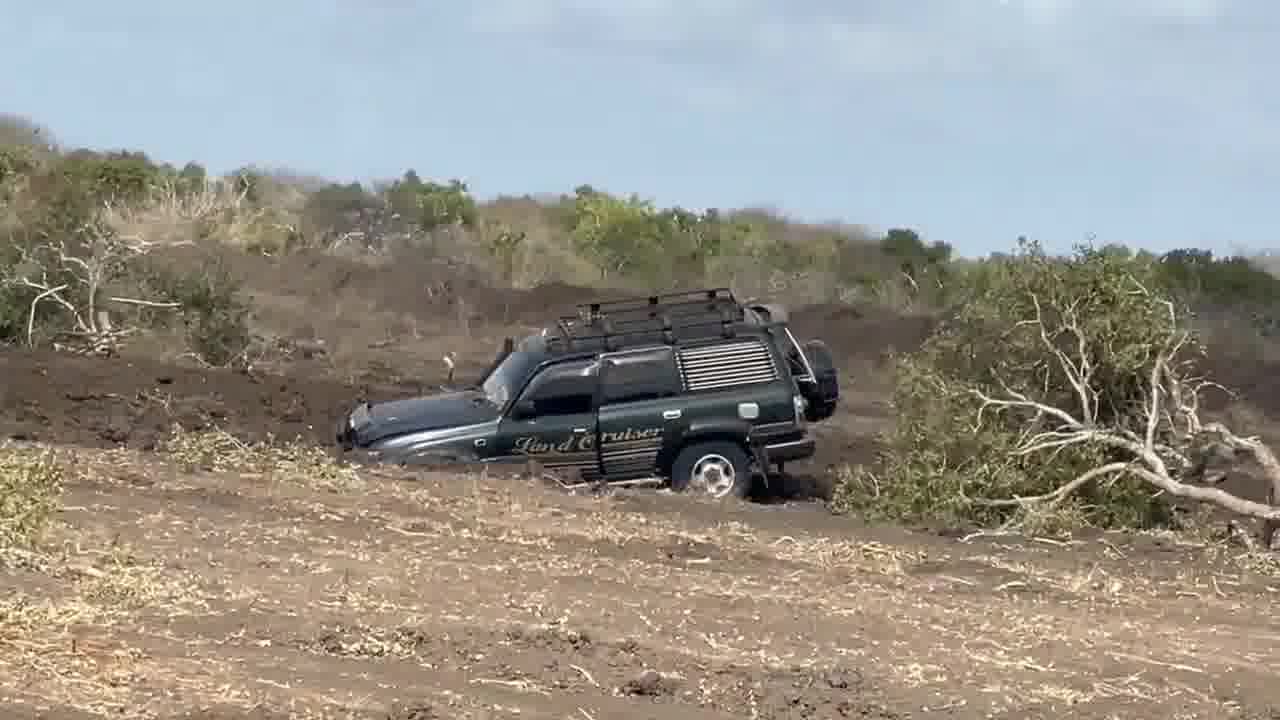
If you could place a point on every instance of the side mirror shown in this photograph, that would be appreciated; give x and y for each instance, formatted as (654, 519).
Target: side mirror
(524, 409)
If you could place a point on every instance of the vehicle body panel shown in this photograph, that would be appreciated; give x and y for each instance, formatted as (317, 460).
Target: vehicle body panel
(425, 414)
(465, 443)
(557, 442)
(634, 434)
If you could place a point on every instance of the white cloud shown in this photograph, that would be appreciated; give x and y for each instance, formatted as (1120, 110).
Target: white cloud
(1050, 11)
(879, 36)
(1140, 67)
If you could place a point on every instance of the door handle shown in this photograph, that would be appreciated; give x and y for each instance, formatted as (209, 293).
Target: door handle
(579, 431)
(671, 414)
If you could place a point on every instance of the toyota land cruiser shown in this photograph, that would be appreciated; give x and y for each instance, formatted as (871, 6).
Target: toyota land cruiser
(696, 390)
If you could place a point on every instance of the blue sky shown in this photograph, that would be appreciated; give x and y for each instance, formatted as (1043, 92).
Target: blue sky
(1148, 122)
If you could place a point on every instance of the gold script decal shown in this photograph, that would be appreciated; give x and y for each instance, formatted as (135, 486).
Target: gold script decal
(533, 445)
(630, 434)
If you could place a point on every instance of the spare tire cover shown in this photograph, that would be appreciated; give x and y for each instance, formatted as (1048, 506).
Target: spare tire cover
(824, 394)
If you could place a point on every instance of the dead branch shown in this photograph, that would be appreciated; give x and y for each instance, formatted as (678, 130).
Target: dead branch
(35, 303)
(1170, 433)
(66, 277)
(144, 303)
(1063, 492)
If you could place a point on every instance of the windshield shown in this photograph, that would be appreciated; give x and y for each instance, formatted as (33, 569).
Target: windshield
(508, 376)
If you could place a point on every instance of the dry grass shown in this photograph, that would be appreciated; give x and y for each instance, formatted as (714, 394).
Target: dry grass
(482, 596)
(218, 211)
(296, 461)
(30, 486)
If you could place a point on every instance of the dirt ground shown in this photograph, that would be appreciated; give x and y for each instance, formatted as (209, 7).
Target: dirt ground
(273, 595)
(293, 592)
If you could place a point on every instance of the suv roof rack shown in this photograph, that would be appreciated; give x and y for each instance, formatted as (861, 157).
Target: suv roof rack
(668, 318)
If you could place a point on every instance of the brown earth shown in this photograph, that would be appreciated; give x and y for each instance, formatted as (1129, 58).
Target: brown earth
(278, 593)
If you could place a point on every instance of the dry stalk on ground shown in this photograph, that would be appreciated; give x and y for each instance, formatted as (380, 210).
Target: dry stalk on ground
(75, 277)
(1168, 449)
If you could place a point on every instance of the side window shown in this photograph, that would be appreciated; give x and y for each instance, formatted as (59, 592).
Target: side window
(643, 375)
(563, 389)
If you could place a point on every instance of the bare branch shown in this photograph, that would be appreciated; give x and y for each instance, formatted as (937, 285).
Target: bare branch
(31, 314)
(144, 303)
(1077, 372)
(1061, 493)
(1018, 400)
(1218, 497)
(1153, 411)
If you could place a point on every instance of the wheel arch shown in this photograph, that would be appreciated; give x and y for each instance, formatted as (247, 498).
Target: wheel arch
(732, 431)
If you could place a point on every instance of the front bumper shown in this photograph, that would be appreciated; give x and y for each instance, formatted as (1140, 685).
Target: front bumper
(348, 428)
(788, 450)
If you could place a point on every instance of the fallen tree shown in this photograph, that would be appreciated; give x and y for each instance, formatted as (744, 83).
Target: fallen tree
(1172, 449)
(1064, 388)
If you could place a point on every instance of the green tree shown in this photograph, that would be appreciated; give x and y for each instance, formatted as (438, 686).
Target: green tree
(432, 205)
(335, 210)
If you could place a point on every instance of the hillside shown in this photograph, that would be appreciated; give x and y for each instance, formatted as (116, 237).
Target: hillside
(186, 551)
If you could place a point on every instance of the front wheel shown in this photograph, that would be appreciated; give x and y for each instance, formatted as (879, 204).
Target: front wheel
(715, 469)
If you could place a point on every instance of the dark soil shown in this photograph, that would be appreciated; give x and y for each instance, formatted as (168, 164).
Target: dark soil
(425, 596)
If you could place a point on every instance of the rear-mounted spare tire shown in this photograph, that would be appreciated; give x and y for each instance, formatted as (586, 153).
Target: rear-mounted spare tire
(821, 396)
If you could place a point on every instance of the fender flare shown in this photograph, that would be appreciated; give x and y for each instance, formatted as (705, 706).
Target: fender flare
(734, 430)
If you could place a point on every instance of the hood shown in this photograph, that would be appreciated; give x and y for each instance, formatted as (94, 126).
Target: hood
(430, 412)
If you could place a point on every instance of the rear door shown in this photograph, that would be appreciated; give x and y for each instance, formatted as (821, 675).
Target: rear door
(641, 411)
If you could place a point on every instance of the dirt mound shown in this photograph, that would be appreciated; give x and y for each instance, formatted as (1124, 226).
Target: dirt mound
(1253, 379)
(134, 402)
(539, 305)
(860, 332)
(408, 285)
(322, 293)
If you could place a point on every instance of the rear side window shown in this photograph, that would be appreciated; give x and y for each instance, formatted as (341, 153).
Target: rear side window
(714, 367)
(640, 375)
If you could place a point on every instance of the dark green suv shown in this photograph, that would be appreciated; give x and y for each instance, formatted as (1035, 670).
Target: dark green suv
(694, 389)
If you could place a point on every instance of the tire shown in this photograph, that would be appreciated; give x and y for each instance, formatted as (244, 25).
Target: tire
(697, 458)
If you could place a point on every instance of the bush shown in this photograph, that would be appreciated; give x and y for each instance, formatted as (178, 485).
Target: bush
(631, 238)
(337, 210)
(30, 489)
(1209, 284)
(214, 316)
(939, 462)
(630, 243)
(429, 205)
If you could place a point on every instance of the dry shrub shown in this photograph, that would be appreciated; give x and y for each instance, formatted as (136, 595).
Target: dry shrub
(30, 491)
(219, 451)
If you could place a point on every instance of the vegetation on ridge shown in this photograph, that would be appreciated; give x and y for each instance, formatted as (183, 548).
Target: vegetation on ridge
(87, 236)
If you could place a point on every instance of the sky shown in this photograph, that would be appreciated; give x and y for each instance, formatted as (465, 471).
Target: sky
(1151, 123)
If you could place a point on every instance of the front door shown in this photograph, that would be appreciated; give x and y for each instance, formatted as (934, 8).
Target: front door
(640, 411)
(554, 421)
